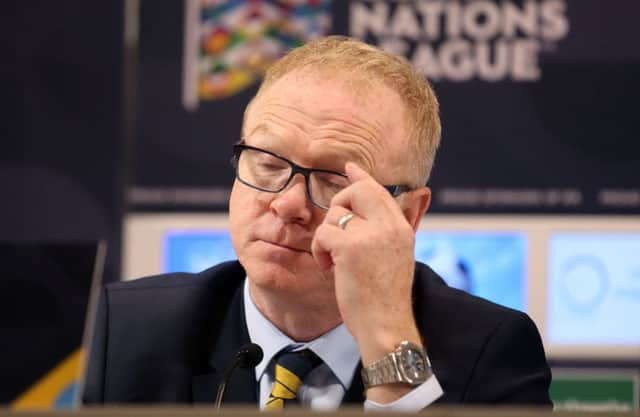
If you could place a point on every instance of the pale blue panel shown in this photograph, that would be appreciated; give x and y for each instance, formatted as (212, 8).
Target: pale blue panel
(491, 265)
(594, 288)
(196, 250)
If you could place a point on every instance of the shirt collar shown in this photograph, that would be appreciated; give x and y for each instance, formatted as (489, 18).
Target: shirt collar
(337, 348)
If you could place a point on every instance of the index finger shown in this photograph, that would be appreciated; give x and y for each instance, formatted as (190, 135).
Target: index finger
(365, 196)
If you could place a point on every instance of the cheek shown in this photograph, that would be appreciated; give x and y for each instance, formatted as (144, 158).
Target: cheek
(239, 208)
(246, 201)
(245, 208)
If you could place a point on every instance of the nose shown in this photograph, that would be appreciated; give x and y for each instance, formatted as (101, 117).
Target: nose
(292, 204)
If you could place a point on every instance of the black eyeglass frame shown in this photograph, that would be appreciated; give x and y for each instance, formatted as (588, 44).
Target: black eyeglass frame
(395, 190)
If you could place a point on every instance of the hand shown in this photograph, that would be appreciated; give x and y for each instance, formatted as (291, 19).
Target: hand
(372, 262)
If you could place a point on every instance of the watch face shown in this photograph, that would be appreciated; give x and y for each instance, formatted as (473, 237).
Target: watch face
(413, 365)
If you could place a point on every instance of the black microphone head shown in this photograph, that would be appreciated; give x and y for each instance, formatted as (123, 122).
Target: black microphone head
(249, 355)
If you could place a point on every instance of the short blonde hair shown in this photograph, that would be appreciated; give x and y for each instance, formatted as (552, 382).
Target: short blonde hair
(363, 63)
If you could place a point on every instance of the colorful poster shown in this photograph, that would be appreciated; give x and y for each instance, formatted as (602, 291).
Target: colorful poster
(538, 98)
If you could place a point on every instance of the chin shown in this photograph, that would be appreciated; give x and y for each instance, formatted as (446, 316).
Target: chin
(293, 277)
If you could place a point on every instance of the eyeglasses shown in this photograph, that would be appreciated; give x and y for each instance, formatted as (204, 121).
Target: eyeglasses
(269, 172)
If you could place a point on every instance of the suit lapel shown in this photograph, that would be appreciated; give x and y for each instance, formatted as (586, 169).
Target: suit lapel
(242, 387)
(355, 393)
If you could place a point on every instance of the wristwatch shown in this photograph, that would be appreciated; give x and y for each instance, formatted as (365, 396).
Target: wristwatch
(408, 363)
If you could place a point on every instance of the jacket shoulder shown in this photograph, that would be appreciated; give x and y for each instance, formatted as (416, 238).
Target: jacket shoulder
(481, 352)
(175, 299)
(151, 335)
(219, 275)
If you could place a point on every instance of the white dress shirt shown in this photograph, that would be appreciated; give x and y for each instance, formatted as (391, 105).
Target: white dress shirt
(325, 386)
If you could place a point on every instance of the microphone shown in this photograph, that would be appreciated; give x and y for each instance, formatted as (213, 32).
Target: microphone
(248, 356)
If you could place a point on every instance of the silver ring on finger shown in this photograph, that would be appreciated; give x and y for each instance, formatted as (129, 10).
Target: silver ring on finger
(344, 220)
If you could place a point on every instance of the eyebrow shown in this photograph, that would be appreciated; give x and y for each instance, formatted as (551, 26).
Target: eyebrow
(272, 142)
(260, 128)
(336, 159)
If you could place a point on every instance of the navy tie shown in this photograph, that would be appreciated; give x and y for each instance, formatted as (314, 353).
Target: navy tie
(291, 369)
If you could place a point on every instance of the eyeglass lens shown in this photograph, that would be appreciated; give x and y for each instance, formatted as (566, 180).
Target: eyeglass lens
(271, 173)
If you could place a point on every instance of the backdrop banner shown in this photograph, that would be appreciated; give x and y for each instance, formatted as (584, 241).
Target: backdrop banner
(538, 97)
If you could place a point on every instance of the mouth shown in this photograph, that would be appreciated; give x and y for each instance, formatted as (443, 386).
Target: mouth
(284, 246)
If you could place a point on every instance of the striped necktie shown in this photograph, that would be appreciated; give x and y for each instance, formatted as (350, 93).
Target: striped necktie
(291, 369)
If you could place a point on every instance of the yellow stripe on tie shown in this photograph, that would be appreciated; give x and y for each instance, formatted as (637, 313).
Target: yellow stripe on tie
(290, 369)
(284, 388)
(44, 393)
(274, 404)
(287, 383)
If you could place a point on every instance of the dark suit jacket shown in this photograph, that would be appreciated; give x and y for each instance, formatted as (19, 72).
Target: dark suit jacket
(168, 339)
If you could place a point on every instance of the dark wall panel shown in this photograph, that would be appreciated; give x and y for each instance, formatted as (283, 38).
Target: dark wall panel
(60, 151)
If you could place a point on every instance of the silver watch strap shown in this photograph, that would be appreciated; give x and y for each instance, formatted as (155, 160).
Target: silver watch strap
(383, 371)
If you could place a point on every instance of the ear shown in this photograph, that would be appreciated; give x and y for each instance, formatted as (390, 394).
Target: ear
(416, 203)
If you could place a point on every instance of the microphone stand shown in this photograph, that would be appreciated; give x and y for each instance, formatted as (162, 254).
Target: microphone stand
(248, 356)
(223, 386)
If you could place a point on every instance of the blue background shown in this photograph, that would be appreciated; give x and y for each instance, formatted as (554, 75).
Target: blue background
(496, 262)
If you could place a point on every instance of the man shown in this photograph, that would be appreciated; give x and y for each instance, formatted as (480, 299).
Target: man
(336, 148)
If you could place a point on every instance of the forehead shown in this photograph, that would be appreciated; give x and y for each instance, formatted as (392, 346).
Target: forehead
(323, 93)
(322, 112)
